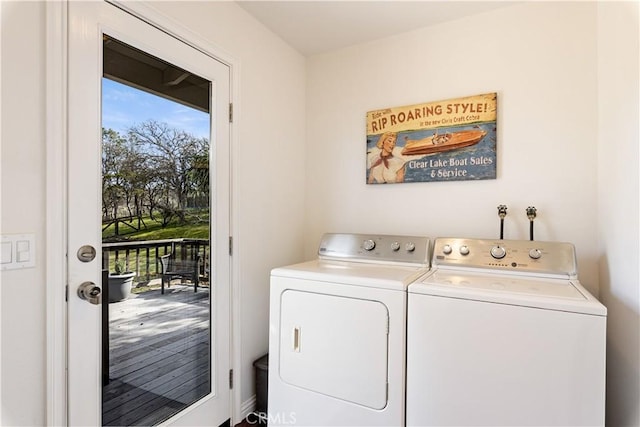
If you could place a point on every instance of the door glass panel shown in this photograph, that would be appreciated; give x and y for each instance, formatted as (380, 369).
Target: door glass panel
(155, 237)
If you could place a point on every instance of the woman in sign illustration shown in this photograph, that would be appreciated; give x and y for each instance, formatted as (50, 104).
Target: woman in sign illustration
(385, 162)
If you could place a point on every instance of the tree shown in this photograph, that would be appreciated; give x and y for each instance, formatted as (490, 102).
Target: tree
(154, 167)
(199, 176)
(114, 148)
(176, 157)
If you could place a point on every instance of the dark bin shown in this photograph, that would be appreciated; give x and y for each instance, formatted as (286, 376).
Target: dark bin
(262, 383)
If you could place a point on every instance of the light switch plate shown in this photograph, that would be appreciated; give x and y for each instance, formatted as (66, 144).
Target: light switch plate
(6, 253)
(18, 251)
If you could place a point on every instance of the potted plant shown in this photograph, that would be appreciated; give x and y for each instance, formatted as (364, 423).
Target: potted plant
(120, 282)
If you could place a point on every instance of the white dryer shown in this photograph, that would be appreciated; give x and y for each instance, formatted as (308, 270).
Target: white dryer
(502, 333)
(337, 332)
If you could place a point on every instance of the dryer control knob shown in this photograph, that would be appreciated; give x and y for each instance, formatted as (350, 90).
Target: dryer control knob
(446, 249)
(535, 254)
(369, 245)
(410, 246)
(395, 246)
(498, 252)
(464, 250)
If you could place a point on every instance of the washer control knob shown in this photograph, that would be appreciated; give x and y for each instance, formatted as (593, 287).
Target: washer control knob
(369, 245)
(446, 249)
(410, 246)
(498, 252)
(395, 246)
(535, 254)
(464, 250)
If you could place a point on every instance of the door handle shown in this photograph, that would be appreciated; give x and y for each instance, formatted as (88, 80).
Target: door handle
(90, 292)
(296, 339)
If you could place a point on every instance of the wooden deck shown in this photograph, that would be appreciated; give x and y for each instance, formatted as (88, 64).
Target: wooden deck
(159, 355)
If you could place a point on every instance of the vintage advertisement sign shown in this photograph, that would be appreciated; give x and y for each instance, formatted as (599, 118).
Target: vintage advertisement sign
(451, 140)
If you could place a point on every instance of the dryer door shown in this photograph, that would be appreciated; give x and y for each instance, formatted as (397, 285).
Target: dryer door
(335, 345)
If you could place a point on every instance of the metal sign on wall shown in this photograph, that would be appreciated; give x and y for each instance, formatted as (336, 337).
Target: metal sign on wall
(450, 140)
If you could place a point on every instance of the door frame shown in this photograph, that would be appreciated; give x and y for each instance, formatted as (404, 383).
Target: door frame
(56, 106)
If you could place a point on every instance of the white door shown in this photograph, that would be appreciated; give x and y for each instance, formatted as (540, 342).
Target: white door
(90, 24)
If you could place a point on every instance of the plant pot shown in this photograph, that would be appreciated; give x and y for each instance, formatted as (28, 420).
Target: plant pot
(120, 286)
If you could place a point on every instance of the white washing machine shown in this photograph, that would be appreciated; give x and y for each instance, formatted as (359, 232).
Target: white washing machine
(502, 333)
(337, 332)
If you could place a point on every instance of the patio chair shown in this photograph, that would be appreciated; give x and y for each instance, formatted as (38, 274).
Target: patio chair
(180, 269)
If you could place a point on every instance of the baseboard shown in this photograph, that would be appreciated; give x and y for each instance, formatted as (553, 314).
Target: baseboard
(248, 406)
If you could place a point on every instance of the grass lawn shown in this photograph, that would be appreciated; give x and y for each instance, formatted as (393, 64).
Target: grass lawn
(196, 226)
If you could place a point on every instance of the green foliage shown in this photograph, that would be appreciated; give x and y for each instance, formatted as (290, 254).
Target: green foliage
(119, 267)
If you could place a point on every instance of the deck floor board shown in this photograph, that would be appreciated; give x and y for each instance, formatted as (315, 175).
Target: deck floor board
(159, 355)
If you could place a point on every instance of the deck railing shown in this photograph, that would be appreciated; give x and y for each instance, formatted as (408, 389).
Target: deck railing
(142, 256)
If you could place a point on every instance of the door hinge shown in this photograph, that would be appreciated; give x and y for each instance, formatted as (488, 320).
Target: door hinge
(66, 293)
(230, 378)
(231, 112)
(230, 245)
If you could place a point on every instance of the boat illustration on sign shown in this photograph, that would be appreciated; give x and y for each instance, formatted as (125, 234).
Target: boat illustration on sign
(444, 142)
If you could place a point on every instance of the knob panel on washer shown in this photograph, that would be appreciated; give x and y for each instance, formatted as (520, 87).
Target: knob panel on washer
(369, 245)
(535, 254)
(498, 252)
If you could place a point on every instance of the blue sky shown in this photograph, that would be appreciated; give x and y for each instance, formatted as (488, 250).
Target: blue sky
(124, 106)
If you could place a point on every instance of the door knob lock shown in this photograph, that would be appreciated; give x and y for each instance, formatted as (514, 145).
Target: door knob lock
(86, 253)
(90, 292)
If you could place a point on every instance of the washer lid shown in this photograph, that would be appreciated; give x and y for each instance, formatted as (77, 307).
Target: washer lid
(546, 293)
(385, 276)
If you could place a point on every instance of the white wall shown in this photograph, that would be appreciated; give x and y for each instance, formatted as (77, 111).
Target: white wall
(618, 195)
(567, 81)
(22, 293)
(547, 128)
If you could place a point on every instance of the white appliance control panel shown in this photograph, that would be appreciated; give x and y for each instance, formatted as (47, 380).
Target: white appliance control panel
(556, 258)
(375, 248)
